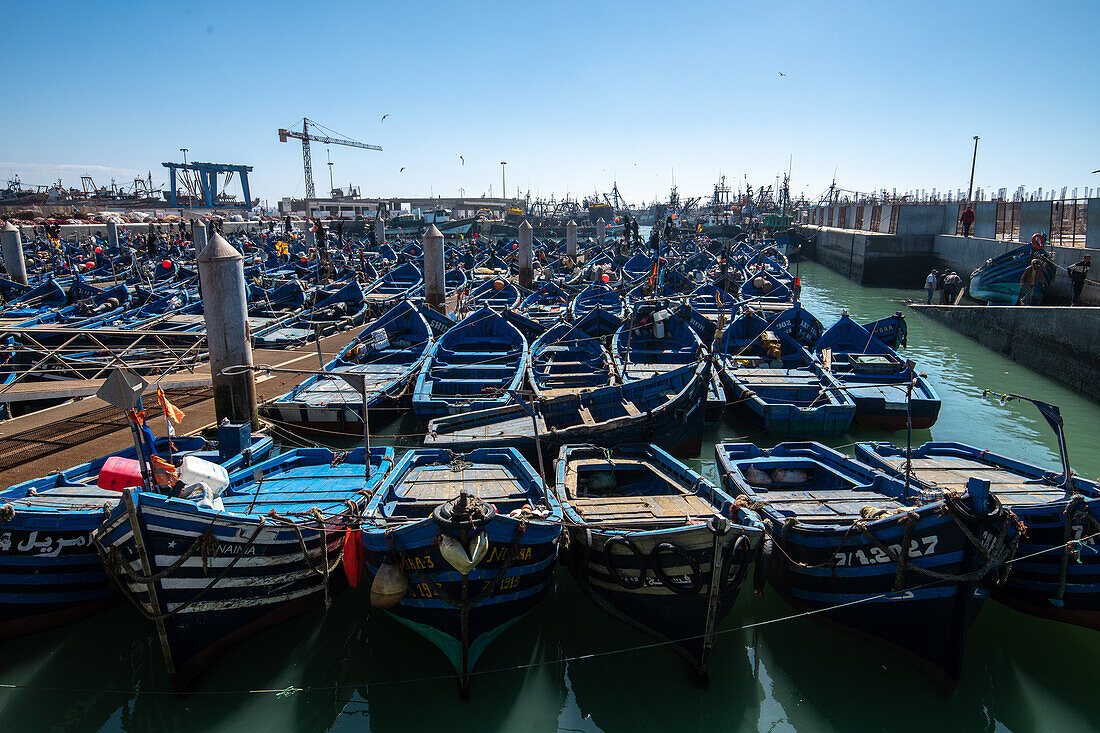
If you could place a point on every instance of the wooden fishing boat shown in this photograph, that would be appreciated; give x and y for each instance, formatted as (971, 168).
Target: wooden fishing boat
(547, 305)
(658, 339)
(460, 547)
(388, 353)
(998, 280)
(877, 379)
(771, 380)
(666, 409)
(396, 285)
(654, 543)
(887, 561)
(566, 359)
(496, 293)
(891, 330)
(597, 295)
(54, 575)
(472, 367)
(1059, 574)
(209, 578)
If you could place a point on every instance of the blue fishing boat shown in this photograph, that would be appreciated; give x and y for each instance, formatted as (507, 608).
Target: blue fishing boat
(388, 353)
(771, 380)
(667, 409)
(53, 573)
(472, 367)
(460, 547)
(888, 561)
(798, 323)
(547, 305)
(887, 390)
(496, 293)
(597, 295)
(1059, 574)
(655, 543)
(566, 359)
(396, 285)
(998, 280)
(212, 572)
(658, 339)
(891, 330)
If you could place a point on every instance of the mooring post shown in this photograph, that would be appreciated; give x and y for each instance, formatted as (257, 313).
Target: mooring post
(601, 232)
(434, 286)
(112, 234)
(12, 246)
(379, 231)
(571, 240)
(225, 309)
(198, 229)
(526, 238)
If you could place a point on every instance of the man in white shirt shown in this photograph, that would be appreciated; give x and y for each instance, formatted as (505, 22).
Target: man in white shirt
(930, 286)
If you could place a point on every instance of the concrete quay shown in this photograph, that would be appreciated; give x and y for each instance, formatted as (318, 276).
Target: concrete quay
(1060, 343)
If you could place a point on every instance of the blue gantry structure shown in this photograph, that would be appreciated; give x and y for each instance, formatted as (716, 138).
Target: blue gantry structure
(207, 176)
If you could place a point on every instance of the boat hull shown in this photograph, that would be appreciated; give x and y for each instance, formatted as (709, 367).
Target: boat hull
(515, 576)
(247, 575)
(670, 614)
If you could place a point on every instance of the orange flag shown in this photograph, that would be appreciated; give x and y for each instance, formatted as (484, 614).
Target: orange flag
(174, 413)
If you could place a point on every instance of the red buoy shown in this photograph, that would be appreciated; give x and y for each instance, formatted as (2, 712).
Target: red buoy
(166, 264)
(353, 557)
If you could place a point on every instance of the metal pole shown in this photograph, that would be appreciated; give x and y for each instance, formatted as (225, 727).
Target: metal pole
(973, 162)
(503, 188)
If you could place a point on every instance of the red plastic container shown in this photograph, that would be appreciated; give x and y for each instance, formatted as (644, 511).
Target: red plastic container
(119, 473)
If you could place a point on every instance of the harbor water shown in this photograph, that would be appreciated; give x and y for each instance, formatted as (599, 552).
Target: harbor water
(570, 667)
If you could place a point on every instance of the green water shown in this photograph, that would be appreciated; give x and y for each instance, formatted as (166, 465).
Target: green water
(570, 667)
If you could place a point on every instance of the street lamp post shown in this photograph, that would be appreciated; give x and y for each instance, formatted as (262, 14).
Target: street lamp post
(973, 162)
(503, 188)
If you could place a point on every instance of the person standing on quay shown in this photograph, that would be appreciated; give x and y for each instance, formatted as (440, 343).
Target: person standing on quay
(930, 283)
(1078, 271)
(967, 219)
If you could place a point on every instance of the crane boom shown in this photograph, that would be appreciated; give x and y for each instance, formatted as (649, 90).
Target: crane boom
(306, 136)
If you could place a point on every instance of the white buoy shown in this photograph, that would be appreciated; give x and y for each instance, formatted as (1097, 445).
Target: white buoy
(225, 309)
(526, 240)
(434, 270)
(11, 242)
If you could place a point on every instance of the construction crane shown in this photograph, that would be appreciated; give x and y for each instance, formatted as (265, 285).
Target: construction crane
(305, 136)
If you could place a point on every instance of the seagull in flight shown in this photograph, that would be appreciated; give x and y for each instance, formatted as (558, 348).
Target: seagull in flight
(402, 169)
(781, 73)
(461, 158)
(384, 117)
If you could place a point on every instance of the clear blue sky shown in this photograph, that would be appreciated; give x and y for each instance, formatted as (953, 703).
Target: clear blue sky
(572, 95)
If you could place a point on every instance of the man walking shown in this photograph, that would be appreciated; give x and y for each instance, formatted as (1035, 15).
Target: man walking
(930, 285)
(1078, 271)
(967, 219)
